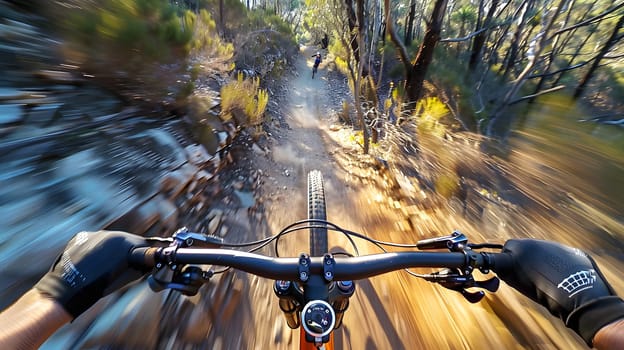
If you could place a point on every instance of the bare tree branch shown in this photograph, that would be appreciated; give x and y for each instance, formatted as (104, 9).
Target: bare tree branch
(543, 92)
(466, 38)
(614, 57)
(395, 38)
(560, 70)
(588, 21)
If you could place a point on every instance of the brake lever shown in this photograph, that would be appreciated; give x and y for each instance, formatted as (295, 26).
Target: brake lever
(455, 242)
(459, 282)
(186, 279)
(184, 238)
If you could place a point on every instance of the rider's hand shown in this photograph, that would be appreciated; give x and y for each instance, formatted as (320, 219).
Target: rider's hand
(93, 265)
(564, 280)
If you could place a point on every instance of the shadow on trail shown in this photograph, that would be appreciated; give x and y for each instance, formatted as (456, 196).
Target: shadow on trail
(365, 288)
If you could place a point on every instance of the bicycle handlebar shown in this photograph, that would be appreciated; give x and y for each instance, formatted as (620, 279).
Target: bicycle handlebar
(344, 268)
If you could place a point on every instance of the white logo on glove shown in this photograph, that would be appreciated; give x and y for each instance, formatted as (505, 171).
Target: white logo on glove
(578, 282)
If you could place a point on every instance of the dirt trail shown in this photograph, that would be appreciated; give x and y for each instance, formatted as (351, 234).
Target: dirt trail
(392, 311)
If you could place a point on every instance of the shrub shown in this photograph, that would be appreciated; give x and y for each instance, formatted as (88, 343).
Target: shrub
(429, 111)
(206, 40)
(149, 29)
(243, 100)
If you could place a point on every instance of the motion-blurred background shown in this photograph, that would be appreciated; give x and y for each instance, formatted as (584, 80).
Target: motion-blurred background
(150, 115)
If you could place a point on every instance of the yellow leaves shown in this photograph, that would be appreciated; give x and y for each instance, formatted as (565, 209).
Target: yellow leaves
(244, 95)
(342, 66)
(429, 112)
(263, 100)
(395, 94)
(357, 137)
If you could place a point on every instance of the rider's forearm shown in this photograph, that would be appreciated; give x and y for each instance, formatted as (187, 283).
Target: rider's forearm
(30, 321)
(610, 336)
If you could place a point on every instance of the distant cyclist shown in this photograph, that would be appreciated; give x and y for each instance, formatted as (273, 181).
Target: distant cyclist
(317, 62)
(564, 280)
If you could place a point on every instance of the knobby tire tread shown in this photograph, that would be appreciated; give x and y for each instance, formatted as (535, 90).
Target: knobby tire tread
(317, 211)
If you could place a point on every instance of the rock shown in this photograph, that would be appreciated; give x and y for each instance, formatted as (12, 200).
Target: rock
(175, 182)
(241, 218)
(246, 199)
(335, 127)
(10, 114)
(257, 149)
(213, 226)
(164, 144)
(224, 231)
(168, 214)
(214, 213)
(44, 114)
(204, 176)
(197, 154)
(55, 76)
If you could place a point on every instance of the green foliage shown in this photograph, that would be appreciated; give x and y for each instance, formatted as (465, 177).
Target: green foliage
(269, 20)
(126, 42)
(466, 13)
(263, 41)
(319, 19)
(464, 18)
(447, 73)
(243, 97)
(206, 40)
(150, 29)
(265, 51)
(185, 91)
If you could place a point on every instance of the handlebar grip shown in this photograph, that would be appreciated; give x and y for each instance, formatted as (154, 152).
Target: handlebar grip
(501, 263)
(142, 257)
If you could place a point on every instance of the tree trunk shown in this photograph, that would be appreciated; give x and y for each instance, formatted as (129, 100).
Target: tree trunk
(420, 18)
(409, 28)
(352, 20)
(512, 53)
(425, 52)
(479, 40)
(362, 37)
(613, 39)
(396, 40)
(221, 14)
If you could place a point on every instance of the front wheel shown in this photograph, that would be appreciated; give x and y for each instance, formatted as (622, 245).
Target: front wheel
(317, 211)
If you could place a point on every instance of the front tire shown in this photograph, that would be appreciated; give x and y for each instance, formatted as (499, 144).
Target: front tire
(317, 211)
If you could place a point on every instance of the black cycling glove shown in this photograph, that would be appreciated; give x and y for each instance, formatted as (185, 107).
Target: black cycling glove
(564, 280)
(93, 265)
